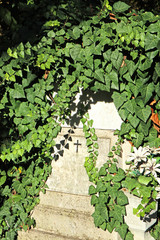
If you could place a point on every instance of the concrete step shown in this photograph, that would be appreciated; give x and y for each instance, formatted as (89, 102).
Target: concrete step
(62, 216)
(35, 234)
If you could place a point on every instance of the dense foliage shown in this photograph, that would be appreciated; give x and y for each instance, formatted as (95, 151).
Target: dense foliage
(111, 185)
(106, 191)
(115, 52)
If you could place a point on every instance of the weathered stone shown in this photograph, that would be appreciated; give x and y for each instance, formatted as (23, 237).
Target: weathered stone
(69, 174)
(100, 108)
(65, 216)
(139, 226)
(65, 211)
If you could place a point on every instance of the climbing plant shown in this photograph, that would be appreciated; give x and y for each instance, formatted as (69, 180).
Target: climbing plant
(116, 50)
(106, 197)
(111, 184)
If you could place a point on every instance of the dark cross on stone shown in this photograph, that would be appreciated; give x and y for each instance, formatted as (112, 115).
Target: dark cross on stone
(77, 144)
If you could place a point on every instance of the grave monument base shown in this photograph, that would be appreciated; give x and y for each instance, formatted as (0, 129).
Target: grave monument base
(65, 211)
(62, 216)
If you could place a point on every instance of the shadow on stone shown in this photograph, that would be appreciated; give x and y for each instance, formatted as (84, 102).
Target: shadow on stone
(83, 103)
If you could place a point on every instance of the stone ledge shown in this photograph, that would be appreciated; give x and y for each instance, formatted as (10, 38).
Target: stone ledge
(135, 222)
(71, 223)
(66, 216)
(35, 234)
(39, 234)
(67, 201)
(71, 213)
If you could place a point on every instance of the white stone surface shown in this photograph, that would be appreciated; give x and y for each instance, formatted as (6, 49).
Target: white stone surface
(139, 226)
(65, 216)
(68, 172)
(105, 116)
(101, 109)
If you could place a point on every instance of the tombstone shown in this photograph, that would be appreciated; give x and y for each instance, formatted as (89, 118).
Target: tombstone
(65, 211)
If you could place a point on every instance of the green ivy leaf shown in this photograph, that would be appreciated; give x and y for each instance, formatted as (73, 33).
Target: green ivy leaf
(119, 99)
(95, 145)
(102, 171)
(123, 113)
(138, 140)
(23, 216)
(87, 134)
(154, 27)
(99, 75)
(98, 219)
(86, 41)
(117, 59)
(151, 41)
(158, 45)
(103, 226)
(11, 234)
(102, 210)
(135, 89)
(103, 197)
(122, 230)
(17, 92)
(131, 66)
(89, 142)
(100, 86)
(111, 225)
(110, 154)
(113, 168)
(153, 205)
(145, 65)
(157, 69)
(120, 7)
(129, 236)
(70, 79)
(94, 137)
(14, 54)
(122, 199)
(125, 128)
(101, 187)
(148, 16)
(118, 177)
(130, 183)
(117, 213)
(9, 51)
(90, 123)
(92, 190)
(94, 199)
(2, 180)
(75, 52)
(134, 121)
(144, 180)
(143, 113)
(113, 76)
(76, 32)
(130, 106)
(51, 34)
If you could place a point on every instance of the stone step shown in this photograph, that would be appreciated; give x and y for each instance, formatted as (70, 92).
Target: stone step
(65, 216)
(35, 234)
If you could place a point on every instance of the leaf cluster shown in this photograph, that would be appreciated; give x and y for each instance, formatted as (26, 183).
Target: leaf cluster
(106, 192)
(144, 188)
(38, 84)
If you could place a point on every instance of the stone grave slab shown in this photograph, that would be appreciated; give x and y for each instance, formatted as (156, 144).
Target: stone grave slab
(68, 172)
(65, 211)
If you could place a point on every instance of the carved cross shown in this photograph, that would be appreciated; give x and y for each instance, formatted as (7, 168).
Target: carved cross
(77, 144)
